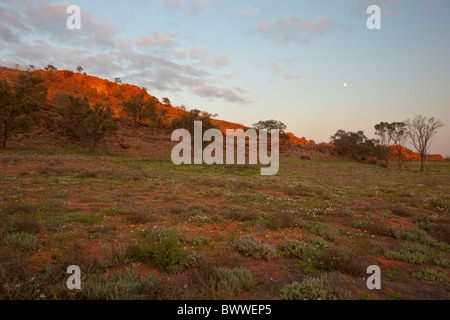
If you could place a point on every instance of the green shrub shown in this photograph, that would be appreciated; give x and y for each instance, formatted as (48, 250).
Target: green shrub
(20, 207)
(89, 219)
(306, 251)
(250, 246)
(352, 261)
(430, 274)
(237, 280)
(140, 216)
(402, 211)
(20, 241)
(240, 213)
(311, 288)
(324, 230)
(213, 282)
(416, 234)
(412, 252)
(162, 248)
(126, 285)
(282, 220)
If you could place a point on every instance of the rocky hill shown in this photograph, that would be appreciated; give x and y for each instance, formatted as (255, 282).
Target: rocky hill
(113, 93)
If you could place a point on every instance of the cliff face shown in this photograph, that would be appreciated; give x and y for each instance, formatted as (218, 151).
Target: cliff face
(410, 155)
(102, 90)
(94, 88)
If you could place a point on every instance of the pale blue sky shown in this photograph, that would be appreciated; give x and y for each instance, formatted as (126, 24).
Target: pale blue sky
(254, 60)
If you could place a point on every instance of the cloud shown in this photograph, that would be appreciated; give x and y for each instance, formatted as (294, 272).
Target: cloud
(292, 29)
(156, 40)
(362, 5)
(192, 7)
(232, 95)
(177, 4)
(198, 5)
(282, 67)
(5, 33)
(245, 12)
(208, 58)
(35, 32)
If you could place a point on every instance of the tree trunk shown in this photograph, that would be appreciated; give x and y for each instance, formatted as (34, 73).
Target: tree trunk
(422, 160)
(5, 136)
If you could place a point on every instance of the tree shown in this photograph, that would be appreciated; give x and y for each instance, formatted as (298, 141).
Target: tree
(140, 110)
(384, 131)
(166, 101)
(20, 105)
(117, 80)
(50, 67)
(80, 69)
(83, 122)
(272, 125)
(98, 123)
(422, 131)
(357, 145)
(399, 136)
(347, 142)
(186, 121)
(72, 111)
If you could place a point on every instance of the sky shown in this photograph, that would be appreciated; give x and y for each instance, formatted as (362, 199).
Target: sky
(312, 64)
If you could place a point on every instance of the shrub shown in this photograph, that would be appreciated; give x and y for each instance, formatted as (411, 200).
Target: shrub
(298, 190)
(20, 105)
(378, 227)
(162, 248)
(282, 220)
(89, 219)
(20, 241)
(140, 216)
(311, 288)
(324, 230)
(20, 207)
(352, 261)
(250, 246)
(28, 224)
(240, 213)
(412, 252)
(116, 256)
(82, 121)
(304, 250)
(413, 234)
(237, 279)
(430, 274)
(214, 282)
(402, 211)
(126, 285)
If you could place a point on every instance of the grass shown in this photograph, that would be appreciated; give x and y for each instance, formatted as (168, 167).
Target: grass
(314, 218)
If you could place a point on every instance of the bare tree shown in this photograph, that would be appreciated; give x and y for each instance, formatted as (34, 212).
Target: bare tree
(422, 131)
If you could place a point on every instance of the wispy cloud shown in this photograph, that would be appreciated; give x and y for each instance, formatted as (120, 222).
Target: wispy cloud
(193, 6)
(292, 29)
